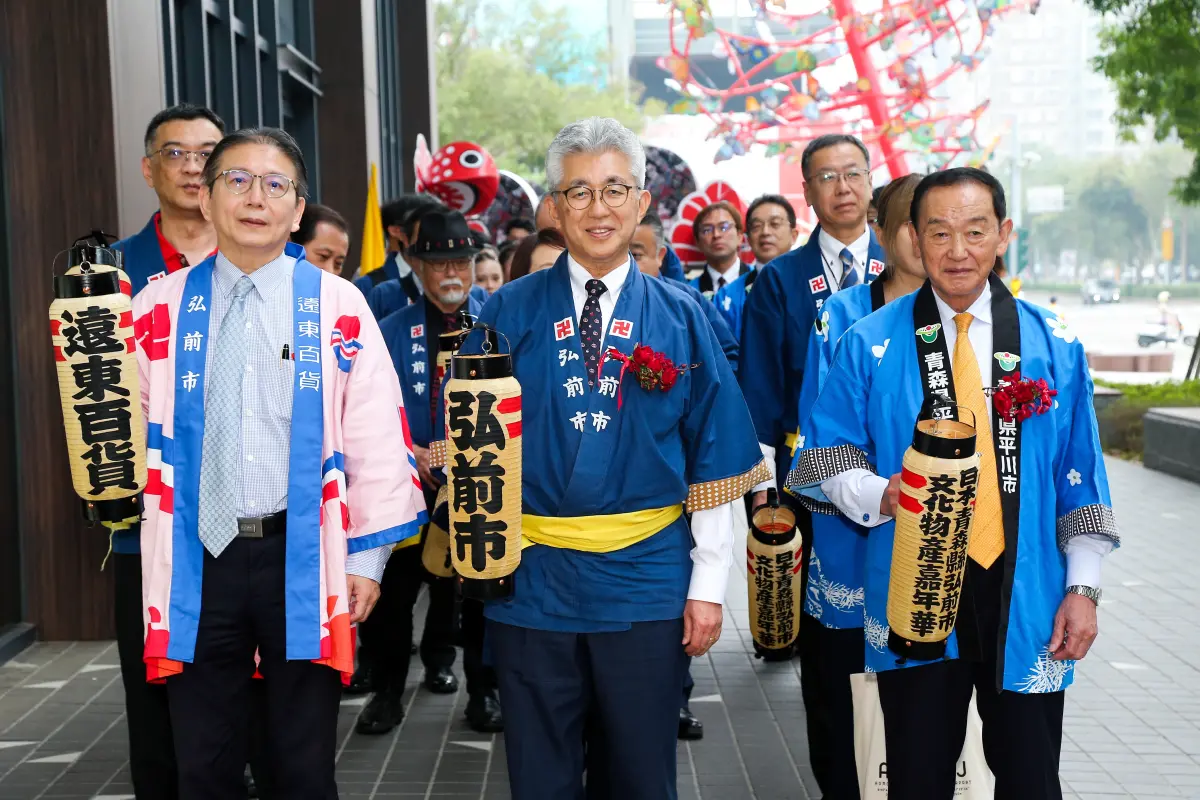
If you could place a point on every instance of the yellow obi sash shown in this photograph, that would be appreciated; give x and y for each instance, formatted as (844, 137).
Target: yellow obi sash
(411, 541)
(602, 533)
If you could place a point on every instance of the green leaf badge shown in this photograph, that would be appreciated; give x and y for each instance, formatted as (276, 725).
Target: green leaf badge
(1007, 361)
(929, 333)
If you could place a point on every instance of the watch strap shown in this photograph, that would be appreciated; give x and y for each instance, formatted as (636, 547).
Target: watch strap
(1087, 591)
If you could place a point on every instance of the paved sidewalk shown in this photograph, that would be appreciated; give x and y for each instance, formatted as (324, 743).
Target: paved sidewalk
(1132, 731)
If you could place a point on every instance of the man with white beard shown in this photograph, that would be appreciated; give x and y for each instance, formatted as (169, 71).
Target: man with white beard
(445, 247)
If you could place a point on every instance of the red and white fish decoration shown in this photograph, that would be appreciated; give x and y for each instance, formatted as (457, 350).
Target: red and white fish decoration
(462, 175)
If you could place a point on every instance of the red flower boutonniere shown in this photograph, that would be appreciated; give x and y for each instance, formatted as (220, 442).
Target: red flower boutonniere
(1021, 398)
(652, 368)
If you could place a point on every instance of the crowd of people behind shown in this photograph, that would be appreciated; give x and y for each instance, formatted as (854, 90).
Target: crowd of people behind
(586, 656)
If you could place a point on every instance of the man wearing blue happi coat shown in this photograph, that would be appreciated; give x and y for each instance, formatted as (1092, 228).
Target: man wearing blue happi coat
(614, 592)
(1042, 516)
(771, 232)
(777, 322)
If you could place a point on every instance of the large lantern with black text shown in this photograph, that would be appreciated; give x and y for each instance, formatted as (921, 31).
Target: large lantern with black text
(91, 326)
(773, 563)
(933, 528)
(483, 467)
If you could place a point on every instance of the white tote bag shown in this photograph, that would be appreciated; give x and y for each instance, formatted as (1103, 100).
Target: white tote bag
(975, 781)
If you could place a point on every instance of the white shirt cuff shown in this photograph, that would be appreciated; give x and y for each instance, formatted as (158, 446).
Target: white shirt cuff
(369, 563)
(857, 493)
(712, 557)
(768, 456)
(1085, 554)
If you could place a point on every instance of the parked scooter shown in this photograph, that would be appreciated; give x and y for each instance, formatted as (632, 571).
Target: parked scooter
(1156, 332)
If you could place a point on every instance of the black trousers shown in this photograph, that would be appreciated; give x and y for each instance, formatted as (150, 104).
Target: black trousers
(387, 634)
(828, 658)
(925, 722)
(481, 677)
(243, 608)
(925, 712)
(147, 713)
(619, 692)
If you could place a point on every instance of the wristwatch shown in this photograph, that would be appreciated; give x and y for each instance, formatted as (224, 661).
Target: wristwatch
(1086, 591)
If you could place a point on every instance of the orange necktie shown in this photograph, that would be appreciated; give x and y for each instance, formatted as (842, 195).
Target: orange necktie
(987, 528)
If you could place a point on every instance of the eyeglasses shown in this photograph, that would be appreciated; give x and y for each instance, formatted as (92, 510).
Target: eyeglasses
(721, 227)
(853, 177)
(581, 198)
(239, 181)
(177, 155)
(455, 265)
(775, 225)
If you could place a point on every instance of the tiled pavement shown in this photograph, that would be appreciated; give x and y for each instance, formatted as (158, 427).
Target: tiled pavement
(1132, 731)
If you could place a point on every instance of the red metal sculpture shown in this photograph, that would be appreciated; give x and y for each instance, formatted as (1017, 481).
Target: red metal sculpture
(901, 55)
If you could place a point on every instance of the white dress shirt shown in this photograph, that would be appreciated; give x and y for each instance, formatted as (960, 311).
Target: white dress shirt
(402, 266)
(267, 394)
(712, 529)
(831, 254)
(730, 275)
(613, 282)
(831, 257)
(858, 492)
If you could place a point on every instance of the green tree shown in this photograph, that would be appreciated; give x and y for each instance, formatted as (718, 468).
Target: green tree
(1119, 221)
(1114, 209)
(1151, 53)
(510, 86)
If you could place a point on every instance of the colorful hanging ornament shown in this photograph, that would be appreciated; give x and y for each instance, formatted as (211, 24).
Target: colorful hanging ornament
(900, 58)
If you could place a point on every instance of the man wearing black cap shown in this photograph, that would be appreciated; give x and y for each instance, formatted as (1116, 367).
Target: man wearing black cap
(446, 248)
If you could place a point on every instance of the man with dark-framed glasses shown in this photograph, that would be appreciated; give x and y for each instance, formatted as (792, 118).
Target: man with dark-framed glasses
(276, 424)
(778, 319)
(718, 233)
(615, 591)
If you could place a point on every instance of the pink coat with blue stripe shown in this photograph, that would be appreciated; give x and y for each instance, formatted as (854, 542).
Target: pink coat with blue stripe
(352, 482)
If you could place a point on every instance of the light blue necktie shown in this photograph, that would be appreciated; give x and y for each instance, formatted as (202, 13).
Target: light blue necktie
(849, 274)
(219, 468)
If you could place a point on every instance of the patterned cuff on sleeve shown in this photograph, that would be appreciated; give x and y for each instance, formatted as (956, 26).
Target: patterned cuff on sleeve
(437, 454)
(716, 493)
(816, 506)
(821, 463)
(1096, 519)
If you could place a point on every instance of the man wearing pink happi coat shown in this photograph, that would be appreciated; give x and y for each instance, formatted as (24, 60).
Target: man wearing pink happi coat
(280, 476)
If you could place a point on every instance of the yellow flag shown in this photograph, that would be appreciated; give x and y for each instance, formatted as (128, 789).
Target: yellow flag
(374, 253)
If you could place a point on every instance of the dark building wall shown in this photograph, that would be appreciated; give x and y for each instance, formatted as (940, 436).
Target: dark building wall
(59, 183)
(418, 98)
(10, 550)
(342, 122)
